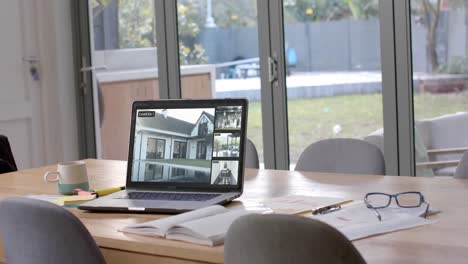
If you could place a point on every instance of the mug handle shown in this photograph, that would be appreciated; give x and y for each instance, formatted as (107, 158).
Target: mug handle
(56, 179)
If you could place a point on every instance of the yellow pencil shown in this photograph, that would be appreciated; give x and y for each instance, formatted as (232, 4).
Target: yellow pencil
(107, 191)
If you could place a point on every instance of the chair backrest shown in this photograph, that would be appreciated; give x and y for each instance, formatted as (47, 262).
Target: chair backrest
(275, 239)
(251, 155)
(448, 131)
(7, 161)
(342, 155)
(462, 169)
(40, 232)
(445, 132)
(376, 138)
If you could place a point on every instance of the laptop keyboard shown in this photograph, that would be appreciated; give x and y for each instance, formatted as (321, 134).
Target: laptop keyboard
(198, 197)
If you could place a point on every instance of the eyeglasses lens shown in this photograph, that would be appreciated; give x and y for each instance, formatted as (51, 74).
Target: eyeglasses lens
(409, 199)
(378, 200)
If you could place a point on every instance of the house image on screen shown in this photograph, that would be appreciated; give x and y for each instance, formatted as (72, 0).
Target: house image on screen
(165, 137)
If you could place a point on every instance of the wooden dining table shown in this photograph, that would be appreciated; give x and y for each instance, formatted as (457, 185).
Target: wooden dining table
(445, 241)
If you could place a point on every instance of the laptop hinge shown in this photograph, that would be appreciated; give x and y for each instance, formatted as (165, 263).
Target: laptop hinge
(174, 190)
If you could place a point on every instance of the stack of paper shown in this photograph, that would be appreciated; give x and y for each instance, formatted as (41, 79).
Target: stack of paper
(358, 221)
(74, 199)
(354, 219)
(63, 200)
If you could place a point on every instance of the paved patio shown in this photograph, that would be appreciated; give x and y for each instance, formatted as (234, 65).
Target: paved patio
(320, 84)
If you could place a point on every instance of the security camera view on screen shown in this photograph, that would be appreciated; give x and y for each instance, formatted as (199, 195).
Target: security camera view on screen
(224, 172)
(228, 117)
(226, 145)
(173, 145)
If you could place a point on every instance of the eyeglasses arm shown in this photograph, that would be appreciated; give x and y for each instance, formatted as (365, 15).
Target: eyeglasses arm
(427, 209)
(373, 209)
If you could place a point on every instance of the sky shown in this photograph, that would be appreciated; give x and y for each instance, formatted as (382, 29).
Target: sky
(189, 114)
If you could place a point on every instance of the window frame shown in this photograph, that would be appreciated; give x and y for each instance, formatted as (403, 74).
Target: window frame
(395, 21)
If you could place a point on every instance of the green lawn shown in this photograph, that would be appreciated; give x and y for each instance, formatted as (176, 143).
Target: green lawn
(357, 115)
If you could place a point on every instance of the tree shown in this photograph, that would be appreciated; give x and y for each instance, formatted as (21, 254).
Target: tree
(137, 24)
(136, 21)
(239, 13)
(189, 21)
(430, 11)
(363, 9)
(329, 10)
(297, 11)
(217, 145)
(430, 16)
(99, 6)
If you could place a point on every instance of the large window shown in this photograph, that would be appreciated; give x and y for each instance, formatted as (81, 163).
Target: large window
(203, 128)
(155, 148)
(123, 24)
(201, 150)
(125, 63)
(440, 78)
(334, 78)
(311, 70)
(219, 55)
(180, 150)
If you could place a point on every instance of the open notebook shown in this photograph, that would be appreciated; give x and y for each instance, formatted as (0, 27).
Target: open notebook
(206, 226)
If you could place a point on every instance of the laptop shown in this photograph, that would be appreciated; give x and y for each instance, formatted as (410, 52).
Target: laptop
(183, 155)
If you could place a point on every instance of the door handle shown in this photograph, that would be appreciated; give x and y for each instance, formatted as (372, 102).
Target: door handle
(272, 70)
(93, 68)
(84, 74)
(30, 59)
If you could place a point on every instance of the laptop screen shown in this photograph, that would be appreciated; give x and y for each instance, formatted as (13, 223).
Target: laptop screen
(180, 146)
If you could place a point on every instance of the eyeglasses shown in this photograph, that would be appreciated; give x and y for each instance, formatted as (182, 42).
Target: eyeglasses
(377, 200)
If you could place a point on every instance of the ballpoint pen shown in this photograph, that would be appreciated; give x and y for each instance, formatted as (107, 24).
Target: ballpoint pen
(312, 211)
(326, 209)
(330, 208)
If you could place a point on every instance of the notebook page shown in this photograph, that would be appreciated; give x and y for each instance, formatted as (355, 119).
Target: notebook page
(294, 204)
(358, 221)
(159, 227)
(206, 231)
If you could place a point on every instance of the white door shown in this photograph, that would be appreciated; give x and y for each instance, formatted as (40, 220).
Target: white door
(20, 111)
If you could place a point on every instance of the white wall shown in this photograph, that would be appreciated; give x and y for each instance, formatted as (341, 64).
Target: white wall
(54, 32)
(457, 34)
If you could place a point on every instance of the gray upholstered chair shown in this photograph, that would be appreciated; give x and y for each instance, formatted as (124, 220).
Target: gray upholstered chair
(40, 232)
(251, 155)
(445, 132)
(462, 169)
(279, 239)
(342, 155)
(438, 142)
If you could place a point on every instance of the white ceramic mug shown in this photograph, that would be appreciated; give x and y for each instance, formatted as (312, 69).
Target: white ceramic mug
(69, 176)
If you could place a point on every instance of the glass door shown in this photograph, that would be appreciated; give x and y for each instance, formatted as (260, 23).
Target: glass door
(333, 72)
(219, 55)
(180, 150)
(124, 68)
(440, 78)
(311, 69)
